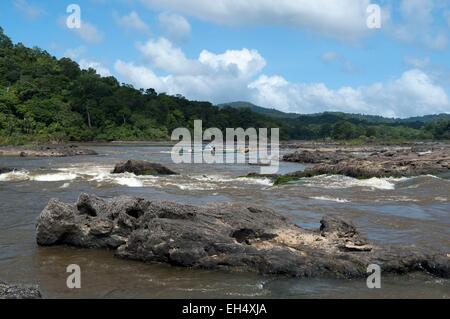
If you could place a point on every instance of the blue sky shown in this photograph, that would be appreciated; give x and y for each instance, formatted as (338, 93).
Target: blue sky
(301, 56)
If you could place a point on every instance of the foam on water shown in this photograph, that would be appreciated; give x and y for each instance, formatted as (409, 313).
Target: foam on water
(58, 177)
(14, 176)
(339, 182)
(258, 181)
(129, 181)
(27, 176)
(331, 199)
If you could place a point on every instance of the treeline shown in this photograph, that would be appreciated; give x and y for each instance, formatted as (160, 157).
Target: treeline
(43, 99)
(340, 126)
(46, 99)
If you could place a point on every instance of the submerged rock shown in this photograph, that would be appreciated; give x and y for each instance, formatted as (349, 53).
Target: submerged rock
(19, 291)
(142, 168)
(224, 236)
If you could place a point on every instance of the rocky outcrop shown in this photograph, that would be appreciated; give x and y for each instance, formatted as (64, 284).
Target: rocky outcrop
(394, 162)
(19, 291)
(224, 236)
(142, 168)
(46, 151)
(314, 157)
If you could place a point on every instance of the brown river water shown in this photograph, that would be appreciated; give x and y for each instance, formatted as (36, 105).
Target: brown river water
(408, 211)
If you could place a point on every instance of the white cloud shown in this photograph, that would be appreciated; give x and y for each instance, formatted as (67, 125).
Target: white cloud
(231, 75)
(344, 19)
(132, 22)
(140, 76)
(30, 10)
(414, 93)
(164, 56)
(240, 63)
(215, 77)
(99, 67)
(89, 33)
(174, 26)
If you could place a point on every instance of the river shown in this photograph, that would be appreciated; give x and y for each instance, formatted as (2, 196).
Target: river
(409, 211)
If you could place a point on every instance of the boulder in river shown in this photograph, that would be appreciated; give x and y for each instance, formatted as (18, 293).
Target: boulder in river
(228, 236)
(19, 291)
(142, 168)
(4, 170)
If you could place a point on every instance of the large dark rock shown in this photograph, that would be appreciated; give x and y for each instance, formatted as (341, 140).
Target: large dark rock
(221, 235)
(19, 291)
(142, 168)
(4, 170)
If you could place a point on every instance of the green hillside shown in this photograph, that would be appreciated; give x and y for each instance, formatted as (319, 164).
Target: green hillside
(45, 99)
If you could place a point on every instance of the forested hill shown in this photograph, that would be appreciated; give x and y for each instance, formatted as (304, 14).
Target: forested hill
(44, 99)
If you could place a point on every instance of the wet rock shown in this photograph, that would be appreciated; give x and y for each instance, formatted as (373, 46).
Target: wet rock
(46, 151)
(142, 168)
(395, 162)
(344, 232)
(224, 236)
(4, 170)
(19, 291)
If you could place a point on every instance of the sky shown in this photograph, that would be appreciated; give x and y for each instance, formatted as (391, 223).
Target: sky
(302, 56)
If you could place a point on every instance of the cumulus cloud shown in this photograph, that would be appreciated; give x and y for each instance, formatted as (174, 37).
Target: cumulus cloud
(344, 19)
(174, 26)
(98, 66)
(239, 63)
(214, 77)
(132, 22)
(163, 55)
(413, 93)
(238, 75)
